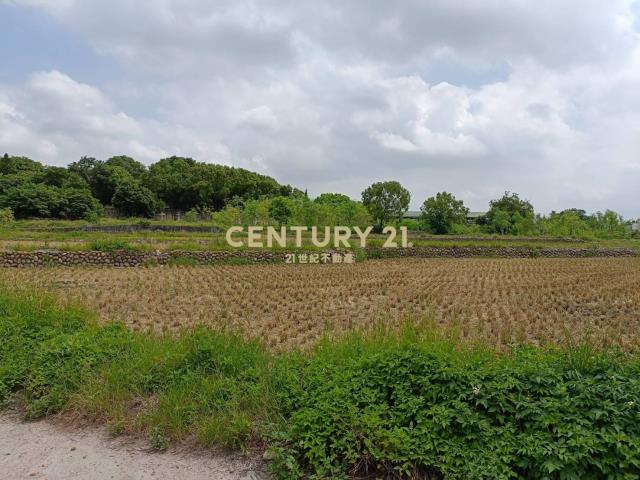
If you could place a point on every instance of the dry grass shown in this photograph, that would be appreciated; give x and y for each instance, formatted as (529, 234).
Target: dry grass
(502, 300)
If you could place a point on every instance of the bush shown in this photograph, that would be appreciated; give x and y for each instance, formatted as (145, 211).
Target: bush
(33, 200)
(467, 229)
(211, 385)
(42, 201)
(109, 245)
(412, 225)
(412, 409)
(6, 216)
(47, 352)
(192, 215)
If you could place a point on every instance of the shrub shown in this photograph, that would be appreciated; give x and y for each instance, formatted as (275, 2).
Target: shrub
(109, 245)
(425, 410)
(192, 215)
(33, 200)
(412, 225)
(6, 216)
(213, 385)
(40, 200)
(47, 352)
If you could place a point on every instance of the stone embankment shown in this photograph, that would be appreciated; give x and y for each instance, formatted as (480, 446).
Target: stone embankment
(499, 252)
(125, 258)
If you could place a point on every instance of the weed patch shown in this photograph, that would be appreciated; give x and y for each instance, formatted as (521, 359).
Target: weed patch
(109, 245)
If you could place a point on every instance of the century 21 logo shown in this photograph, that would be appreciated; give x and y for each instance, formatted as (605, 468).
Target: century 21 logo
(259, 236)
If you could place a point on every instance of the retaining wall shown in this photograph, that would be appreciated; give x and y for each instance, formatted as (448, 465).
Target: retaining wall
(499, 252)
(134, 259)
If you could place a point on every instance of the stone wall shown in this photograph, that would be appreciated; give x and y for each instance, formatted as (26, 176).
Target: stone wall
(499, 252)
(132, 228)
(124, 258)
(134, 259)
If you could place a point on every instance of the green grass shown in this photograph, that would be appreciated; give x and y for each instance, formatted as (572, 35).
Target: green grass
(386, 404)
(109, 245)
(28, 235)
(182, 262)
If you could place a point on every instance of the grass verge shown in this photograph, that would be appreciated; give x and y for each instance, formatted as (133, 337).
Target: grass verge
(405, 404)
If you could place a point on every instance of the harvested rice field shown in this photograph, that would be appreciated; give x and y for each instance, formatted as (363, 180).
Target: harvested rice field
(502, 301)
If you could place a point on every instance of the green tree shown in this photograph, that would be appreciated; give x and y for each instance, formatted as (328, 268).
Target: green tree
(339, 209)
(33, 201)
(85, 168)
(608, 224)
(135, 200)
(79, 204)
(173, 180)
(511, 215)
(386, 201)
(107, 179)
(134, 168)
(442, 212)
(568, 223)
(12, 165)
(280, 210)
(501, 222)
(227, 217)
(62, 178)
(333, 199)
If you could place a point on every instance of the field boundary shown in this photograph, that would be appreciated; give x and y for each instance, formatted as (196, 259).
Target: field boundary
(131, 228)
(132, 258)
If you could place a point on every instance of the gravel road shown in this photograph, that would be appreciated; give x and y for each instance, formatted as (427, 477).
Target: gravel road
(43, 450)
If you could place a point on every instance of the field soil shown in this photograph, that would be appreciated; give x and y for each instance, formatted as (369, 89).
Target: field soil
(500, 301)
(43, 450)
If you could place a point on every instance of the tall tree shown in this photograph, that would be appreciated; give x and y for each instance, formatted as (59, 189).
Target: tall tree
(443, 211)
(510, 214)
(85, 167)
(386, 201)
(135, 200)
(280, 210)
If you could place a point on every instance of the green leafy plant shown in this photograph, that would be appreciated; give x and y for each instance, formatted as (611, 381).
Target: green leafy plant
(109, 245)
(182, 262)
(6, 216)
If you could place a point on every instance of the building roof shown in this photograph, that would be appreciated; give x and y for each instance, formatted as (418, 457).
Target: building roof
(412, 214)
(476, 214)
(417, 213)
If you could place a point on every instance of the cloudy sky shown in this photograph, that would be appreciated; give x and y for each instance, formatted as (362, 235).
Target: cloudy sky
(539, 97)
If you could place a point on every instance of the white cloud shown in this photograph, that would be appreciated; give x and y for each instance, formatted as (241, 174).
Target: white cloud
(335, 95)
(261, 117)
(55, 119)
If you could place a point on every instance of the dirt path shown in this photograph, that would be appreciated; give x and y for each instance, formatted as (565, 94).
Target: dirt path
(42, 450)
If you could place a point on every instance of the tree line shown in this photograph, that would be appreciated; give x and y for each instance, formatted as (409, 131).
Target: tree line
(507, 215)
(81, 190)
(235, 196)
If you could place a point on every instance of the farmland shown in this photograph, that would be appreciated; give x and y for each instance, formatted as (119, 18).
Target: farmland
(334, 370)
(30, 235)
(499, 301)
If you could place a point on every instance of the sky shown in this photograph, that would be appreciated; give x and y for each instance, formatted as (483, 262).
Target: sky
(475, 98)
